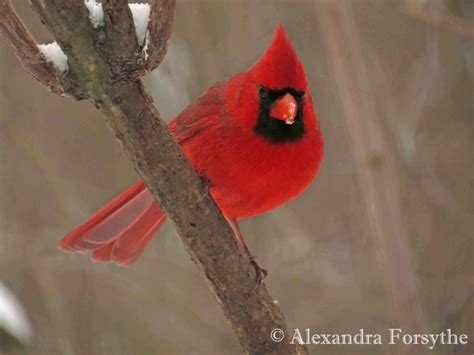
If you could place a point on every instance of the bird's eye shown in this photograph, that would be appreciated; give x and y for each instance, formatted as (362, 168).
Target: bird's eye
(262, 92)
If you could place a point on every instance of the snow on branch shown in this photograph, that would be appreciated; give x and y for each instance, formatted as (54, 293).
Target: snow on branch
(26, 49)
(141, 15)
(96, 12)
(53, 53)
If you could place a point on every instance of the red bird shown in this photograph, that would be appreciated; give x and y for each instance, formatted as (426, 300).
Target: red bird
(255, 137)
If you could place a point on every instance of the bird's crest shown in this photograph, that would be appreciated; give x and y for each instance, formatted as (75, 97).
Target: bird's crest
(280, 67)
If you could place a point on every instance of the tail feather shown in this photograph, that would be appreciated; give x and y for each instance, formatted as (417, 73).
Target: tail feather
(121, 230)
(81, 246)
(104, 253)
(121, 219)
(127, 249)
(127, 241)
(69, 242)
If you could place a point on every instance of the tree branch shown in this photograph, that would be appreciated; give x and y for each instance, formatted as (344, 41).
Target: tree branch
(99, 62)
(119, 24)
(26, 49)
(159, 32)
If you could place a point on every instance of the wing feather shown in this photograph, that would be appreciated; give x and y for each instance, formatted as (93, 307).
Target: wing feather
(205, 113)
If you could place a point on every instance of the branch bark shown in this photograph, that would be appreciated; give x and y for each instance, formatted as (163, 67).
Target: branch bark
(26, 49)
(102, 65)
(159, 31)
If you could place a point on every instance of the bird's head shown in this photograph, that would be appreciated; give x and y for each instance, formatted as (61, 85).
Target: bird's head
(280, 68)
(278, 93)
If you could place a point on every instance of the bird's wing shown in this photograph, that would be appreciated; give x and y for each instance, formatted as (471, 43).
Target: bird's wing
(203, 114)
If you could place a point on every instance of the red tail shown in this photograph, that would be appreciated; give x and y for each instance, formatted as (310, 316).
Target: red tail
(120, 230)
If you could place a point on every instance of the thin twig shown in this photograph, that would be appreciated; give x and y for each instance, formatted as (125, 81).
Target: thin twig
(26, 49)
(159, 32)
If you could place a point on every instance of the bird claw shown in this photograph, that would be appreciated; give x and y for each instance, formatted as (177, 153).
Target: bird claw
(206, 184)
(260, 272)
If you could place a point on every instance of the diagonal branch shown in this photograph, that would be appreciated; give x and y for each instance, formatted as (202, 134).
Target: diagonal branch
(26, 49)
(95, 61)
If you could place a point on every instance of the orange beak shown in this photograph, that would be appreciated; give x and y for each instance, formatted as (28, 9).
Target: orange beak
(285, 109)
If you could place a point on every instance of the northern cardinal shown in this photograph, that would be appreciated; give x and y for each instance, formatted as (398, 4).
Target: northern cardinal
(255, 137)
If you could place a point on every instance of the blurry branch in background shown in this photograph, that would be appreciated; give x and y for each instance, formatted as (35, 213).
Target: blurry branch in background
(455, 24)
(375, 162)
(102, 59)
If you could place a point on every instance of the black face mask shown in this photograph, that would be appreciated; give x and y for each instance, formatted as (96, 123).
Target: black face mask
(275, 130)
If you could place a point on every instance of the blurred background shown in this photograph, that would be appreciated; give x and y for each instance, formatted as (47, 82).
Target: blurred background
(382, 239)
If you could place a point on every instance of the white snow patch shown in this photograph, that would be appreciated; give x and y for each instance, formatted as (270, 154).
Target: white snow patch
(54, 54)
(96, 13)
(141, 14)
(12, 316)
(145, 47)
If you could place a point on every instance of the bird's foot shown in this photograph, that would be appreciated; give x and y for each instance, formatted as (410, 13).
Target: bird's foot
(206, 184)
(260, 272)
